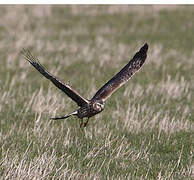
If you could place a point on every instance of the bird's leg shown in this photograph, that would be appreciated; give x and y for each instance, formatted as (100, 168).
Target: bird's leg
(85, 124)
(81, 123)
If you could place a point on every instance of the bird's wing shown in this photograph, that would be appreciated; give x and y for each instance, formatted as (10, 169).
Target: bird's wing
(68, 90)
(123, 76)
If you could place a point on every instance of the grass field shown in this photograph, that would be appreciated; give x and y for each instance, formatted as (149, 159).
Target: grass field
(147, 128)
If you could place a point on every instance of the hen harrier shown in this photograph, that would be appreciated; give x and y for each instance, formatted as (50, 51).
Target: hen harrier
(89, 108)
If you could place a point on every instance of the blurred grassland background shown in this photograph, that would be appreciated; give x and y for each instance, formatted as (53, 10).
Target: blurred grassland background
(147, 128)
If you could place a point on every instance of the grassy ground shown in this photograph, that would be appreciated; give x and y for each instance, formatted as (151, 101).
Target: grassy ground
(146, 130)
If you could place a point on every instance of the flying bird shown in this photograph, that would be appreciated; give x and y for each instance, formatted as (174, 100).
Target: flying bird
(88, 108)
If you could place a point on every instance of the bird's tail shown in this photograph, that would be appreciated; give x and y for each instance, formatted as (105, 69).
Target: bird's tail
(64, 117)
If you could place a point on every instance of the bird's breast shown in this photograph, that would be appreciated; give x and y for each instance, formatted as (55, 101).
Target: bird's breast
(87, 111)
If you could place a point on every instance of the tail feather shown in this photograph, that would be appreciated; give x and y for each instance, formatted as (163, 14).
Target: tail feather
(64, 117)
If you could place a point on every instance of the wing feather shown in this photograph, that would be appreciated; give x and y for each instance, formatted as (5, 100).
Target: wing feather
(68, 90)
(123, 76)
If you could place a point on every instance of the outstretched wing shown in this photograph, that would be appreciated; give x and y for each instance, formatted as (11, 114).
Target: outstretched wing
(123, 76)
(74, 95)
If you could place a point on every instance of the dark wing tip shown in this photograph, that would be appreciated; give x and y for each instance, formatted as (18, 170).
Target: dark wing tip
(142, 52)
(27, 55)
(144, 48)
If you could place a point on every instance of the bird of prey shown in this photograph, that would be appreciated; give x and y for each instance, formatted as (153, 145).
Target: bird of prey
(88, 108)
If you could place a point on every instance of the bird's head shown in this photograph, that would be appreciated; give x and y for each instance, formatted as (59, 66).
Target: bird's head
(98, 106)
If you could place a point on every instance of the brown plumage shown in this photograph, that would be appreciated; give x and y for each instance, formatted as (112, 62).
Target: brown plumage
(89, 108)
